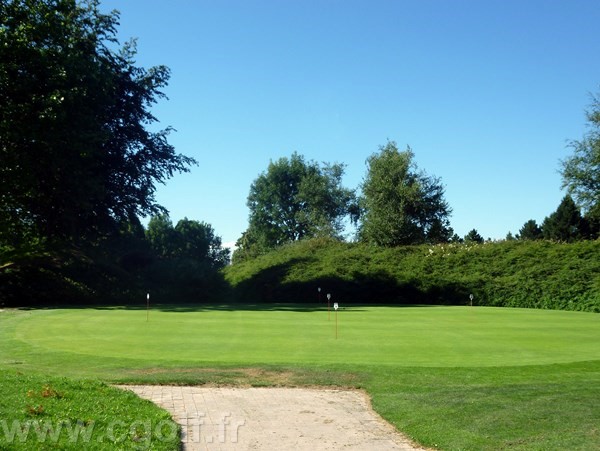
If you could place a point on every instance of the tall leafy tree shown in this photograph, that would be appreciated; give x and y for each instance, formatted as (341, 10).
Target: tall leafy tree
(566, 223)
(189, 239)
(162, 236)
(581, 171)
(296, 199)
(197, 240)
(76, 154)
(400, 203)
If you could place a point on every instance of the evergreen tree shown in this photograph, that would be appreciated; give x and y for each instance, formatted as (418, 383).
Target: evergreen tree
(530, 231)
(565, 224)
(473, 237)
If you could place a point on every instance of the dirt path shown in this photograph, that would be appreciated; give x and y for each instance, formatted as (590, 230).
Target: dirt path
(225, 418)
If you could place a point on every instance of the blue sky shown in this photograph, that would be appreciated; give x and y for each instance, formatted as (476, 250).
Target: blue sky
(487, 94)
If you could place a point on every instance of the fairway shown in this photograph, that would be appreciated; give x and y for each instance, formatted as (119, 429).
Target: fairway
(399, 336)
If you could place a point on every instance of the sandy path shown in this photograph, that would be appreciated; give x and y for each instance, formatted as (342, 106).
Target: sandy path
(225, 418)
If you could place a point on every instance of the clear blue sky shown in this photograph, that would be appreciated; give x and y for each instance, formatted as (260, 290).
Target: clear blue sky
(487, 93)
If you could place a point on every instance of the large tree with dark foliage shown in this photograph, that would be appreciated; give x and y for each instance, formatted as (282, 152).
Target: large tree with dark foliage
(189, 239)
(530, 231)
(76, 154)
(566, 223)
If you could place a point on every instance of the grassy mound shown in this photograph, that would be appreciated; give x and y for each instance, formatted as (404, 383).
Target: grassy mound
(532, 274)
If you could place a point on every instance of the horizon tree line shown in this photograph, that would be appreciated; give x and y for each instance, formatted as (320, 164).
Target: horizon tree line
(77, 158)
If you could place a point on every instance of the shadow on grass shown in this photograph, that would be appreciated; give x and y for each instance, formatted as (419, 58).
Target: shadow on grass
(291, 282)
(249, 307)
(289, 286)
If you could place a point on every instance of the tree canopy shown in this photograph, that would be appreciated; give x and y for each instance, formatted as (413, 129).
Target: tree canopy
(473, 237)
(401, 204)
(296, 199)
(566, 223)
(188, 239)
(581, 171)
(530, 231)
(76, 154)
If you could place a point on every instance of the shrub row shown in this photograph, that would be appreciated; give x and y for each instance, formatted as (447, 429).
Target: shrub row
(532, 274)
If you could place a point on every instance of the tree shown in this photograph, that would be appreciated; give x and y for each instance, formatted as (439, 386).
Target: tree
(250, 245)
(566, 223)
(197, 240)
(592, 221)
(401, 204)
(295, 199)
(530, 231)
(473, 237)
(189, 239)
(455, 238)
(162, 236)
(581, 171)
(76, 157)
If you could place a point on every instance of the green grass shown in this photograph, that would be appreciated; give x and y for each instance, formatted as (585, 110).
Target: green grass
(451, 377)
(43, 412)
(404, 336)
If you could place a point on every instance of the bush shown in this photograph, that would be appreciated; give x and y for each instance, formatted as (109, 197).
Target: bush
(532, 274)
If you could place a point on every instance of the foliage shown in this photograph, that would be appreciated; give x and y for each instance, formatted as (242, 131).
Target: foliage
(161, 235)
(198, 241)
(473, 237)
(292, 200)
(565, 224)
(533, 274)
(530, 231)
(121, 268)
(76, 156)
(400, 204)
(592, 222)
(581, 171)
(189, 239)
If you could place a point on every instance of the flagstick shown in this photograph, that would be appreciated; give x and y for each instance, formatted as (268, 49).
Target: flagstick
(336, 306)
(147, 306)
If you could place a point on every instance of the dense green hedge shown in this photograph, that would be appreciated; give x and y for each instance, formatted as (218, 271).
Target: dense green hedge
(534, 274)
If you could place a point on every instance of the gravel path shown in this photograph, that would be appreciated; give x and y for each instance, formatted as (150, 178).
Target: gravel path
(225, 418)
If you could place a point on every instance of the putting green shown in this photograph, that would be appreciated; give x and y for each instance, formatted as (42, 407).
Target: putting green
(406, 336)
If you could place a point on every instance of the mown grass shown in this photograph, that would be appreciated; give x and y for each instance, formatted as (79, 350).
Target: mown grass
(548, 407)
(49, 412)
(289, 334)
(450, 377)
